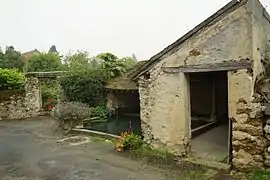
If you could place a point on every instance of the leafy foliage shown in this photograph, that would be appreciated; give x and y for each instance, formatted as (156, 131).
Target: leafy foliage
(80, 62)
(11, 59)
(129, 62)
(11, 79)
(71, 114)
(50, 90)
(128, 141)
(87, 88)
(87, 76)
(115, 66)
(44, 62)
(100, 111)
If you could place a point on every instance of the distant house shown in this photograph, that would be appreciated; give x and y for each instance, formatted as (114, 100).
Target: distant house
(29, 54)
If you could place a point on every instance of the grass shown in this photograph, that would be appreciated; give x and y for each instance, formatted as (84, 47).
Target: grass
(177, 169)
(168, 162)
(261, 175)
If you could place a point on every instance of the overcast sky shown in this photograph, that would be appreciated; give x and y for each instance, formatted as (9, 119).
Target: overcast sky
(122, 27)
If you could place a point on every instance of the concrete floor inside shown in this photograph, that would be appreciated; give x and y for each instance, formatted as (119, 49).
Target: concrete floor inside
(212, 145)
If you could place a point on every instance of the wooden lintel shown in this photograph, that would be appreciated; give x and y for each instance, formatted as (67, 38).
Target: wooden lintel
(225, 66)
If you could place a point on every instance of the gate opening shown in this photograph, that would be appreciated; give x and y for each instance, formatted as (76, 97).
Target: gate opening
(209, 116)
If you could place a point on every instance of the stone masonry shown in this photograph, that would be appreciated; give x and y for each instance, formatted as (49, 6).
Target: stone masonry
(23, 105)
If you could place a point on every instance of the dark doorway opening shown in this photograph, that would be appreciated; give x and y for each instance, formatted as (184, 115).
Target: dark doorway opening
(209, 116)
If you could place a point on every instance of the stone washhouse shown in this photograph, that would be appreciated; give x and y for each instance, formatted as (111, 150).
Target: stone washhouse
(198, 96)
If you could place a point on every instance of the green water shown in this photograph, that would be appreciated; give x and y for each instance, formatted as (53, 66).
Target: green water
(118, 125)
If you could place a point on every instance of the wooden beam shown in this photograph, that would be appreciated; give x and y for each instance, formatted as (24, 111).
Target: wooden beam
(225, 66)
(50, 74)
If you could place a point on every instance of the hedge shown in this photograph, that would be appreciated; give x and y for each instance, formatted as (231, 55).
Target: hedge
(11, 79)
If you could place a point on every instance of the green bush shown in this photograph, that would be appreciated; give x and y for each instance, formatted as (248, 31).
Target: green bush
(44, 62)
(100, 111)
(87, 87)
(11, 79)
(50, 90)
(87, 76)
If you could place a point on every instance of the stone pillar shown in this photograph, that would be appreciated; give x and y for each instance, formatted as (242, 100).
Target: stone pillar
(33, 97)
(247, 134)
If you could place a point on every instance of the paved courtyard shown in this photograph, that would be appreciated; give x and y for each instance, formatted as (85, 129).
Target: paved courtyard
(30, 150)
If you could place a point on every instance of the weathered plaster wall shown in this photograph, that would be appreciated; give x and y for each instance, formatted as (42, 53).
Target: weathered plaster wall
(260, 35)
(164, 97)
(22, 105)
(216, 43)
(163, 111)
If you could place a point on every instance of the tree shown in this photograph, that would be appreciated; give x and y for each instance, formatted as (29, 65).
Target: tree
(107, 57)
(111, 64)
(80, 61)
(2, 55)
(85, 80)
(44, 62)
(87, 76)
(129, 62)
(11, 59)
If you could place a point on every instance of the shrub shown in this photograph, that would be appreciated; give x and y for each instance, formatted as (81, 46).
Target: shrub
(71, 114)
(11, 79)
(86, 87)
(87, 76)
(50, 90)
(44, 62)
(100, 111)
(128, 141)
(11, 59)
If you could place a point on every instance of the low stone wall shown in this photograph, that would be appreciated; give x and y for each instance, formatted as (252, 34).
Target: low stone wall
(247, 137)
(265, 93)
(21, 104)
(251, 130)
(267, 143)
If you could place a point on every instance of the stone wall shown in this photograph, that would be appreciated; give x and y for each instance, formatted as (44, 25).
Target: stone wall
(245, 114)
(22, 105)
(263, 94)
(267, 138)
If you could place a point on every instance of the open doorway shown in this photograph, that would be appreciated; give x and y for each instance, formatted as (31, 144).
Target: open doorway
(209, 116)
